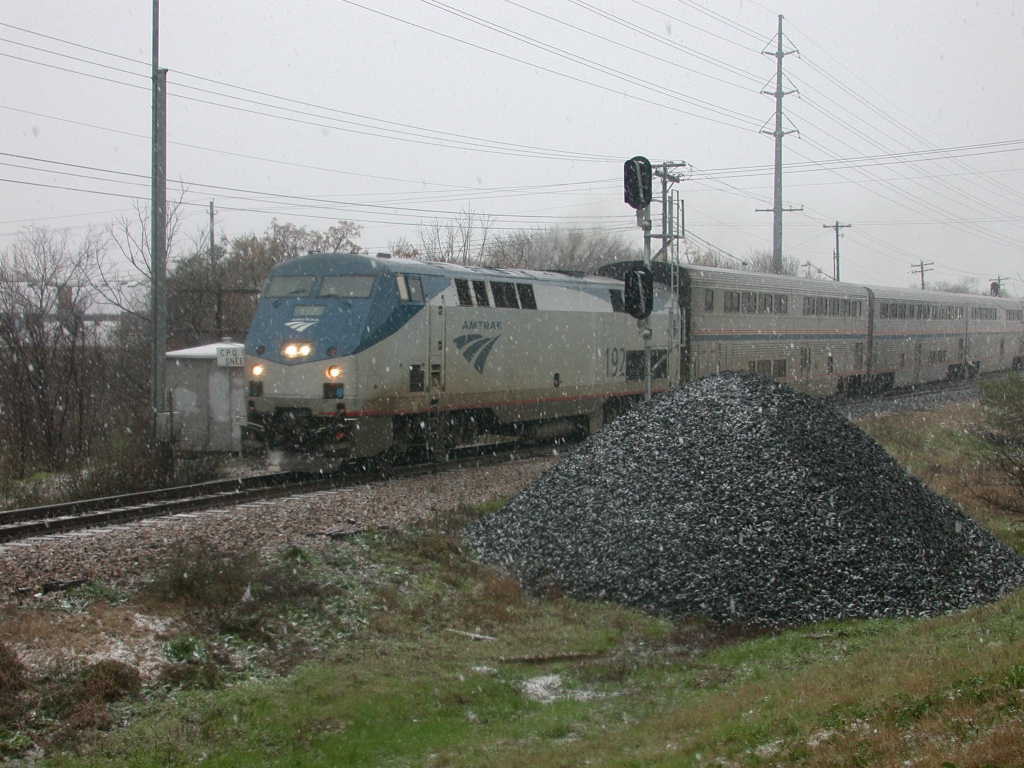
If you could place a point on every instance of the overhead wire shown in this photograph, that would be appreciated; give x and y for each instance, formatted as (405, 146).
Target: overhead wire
(631, 48)
(749, 122)
(731, 68)
(465, 141)
(875, 108)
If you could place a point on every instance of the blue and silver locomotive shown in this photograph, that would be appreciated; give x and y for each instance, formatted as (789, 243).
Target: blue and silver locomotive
(353, 356)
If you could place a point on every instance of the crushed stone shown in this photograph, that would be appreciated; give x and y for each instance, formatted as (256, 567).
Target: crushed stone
(740, 500)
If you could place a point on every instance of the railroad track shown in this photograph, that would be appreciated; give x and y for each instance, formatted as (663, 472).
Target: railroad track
(907, 398)
(30, 522)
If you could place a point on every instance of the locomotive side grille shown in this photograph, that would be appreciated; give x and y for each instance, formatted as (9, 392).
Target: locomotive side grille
(416, 378)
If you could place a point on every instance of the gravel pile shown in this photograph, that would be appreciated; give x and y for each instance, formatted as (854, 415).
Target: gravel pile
(741, 500)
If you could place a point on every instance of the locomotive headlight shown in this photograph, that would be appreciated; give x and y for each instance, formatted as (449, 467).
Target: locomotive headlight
(334, 372)
(297, 349)
(257, 370)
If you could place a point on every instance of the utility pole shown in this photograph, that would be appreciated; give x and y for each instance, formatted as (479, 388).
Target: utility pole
(778, 133)
(158, 228)
(835, 256)
(922, 267)
(215, 269)
(996, 285)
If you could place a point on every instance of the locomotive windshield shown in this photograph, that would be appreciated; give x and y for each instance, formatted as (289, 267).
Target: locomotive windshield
(346, 287)
(289, 286)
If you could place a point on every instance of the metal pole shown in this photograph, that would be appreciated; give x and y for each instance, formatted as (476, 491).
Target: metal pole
(669, 205)
(664, 210)
(158, 228)
(644, 214)
(777, 207)
(215, 269)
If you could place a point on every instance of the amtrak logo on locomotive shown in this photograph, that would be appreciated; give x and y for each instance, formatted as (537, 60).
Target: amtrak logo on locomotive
(481, 325)
(474, 345)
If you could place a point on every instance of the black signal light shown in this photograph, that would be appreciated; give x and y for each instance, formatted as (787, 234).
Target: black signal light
(637, 182)
(639, 292)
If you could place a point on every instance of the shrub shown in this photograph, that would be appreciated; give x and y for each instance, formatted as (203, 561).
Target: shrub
(12, 673)
(198, 574)
(1002, 407)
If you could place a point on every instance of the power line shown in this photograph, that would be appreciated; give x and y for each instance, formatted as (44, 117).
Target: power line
(549, 70)
(461, 141)
(634, 49)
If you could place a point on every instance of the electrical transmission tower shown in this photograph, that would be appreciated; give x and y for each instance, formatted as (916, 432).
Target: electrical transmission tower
(778, 133)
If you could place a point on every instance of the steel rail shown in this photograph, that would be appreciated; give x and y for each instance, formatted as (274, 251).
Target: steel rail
(31, 522)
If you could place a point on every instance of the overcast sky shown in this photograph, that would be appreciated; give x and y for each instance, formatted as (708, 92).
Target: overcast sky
(910, 119)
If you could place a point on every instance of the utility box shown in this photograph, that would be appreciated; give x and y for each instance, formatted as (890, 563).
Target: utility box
(207, 387)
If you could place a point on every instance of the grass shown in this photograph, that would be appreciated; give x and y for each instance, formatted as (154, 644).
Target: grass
(369, 653)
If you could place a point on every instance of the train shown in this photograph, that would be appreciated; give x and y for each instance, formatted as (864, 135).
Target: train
(355, 357)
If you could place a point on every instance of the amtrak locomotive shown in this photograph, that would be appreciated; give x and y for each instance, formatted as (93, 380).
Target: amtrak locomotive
(353, 356)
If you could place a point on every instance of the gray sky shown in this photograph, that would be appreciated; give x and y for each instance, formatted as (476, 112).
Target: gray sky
(391, 114)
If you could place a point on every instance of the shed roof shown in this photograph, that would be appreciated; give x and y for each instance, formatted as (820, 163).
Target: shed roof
(206, 351)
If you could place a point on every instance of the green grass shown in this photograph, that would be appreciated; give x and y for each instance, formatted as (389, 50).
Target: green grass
(426, 701)
(360, 667)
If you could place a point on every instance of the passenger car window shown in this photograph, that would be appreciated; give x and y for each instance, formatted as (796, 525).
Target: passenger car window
(283, 286)
(346, 286)
(709, 300)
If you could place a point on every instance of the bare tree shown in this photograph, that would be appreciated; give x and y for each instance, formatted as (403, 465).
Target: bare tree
(462, 240)
(403, 249)
(563, 249)
(758, 261)
(50, 361)
(761, 261)
(125, 284)
(212, 293)
(710, 257)
(963, 285)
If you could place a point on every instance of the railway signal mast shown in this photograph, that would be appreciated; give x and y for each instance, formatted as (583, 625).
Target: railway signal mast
(638, 190)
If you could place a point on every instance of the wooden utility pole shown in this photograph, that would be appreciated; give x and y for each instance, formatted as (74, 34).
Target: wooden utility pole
(835, 256)
(922, 267)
